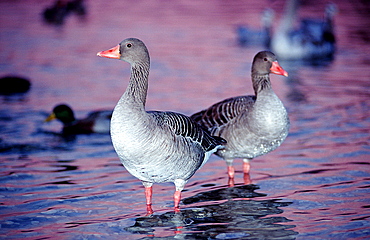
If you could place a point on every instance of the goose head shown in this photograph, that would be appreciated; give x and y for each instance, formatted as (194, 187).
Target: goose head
(265, 62)
(131, 50)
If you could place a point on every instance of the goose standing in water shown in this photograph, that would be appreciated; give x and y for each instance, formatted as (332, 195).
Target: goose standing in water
(154, 146)
(313, 39)
(251, 125)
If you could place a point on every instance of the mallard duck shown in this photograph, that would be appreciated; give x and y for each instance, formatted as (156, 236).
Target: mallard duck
(95, 122)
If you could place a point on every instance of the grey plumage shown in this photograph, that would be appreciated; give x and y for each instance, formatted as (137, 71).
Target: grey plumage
(251, 125)
(154, 146)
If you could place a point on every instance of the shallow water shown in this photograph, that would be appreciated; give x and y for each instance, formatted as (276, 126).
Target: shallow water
(314, 186)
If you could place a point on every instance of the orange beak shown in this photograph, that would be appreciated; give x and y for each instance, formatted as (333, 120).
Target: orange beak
(110, 53)
(277, 69)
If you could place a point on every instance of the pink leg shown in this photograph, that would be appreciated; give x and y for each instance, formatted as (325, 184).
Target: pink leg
(177, 198)
(179, 184)
(149, 210)
(231, 173)
(246, 169)
(246, 166)
(148, 196)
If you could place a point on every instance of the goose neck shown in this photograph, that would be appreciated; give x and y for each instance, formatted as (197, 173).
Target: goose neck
(261, 83)
(138, 86)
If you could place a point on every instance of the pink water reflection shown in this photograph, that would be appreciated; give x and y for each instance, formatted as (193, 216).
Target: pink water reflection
(322, 167)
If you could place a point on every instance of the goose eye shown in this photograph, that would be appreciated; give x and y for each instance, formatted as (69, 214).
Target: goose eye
(265, 59)
(129, 45)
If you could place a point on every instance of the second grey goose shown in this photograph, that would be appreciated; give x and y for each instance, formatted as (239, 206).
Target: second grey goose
(251, 125)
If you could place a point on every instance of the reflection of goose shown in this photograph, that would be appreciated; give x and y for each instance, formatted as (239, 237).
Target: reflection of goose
(251, 125)
(243, 191)
(97, 121)
(313, 39)
(249, 36)
(234, 219)
(154, 146)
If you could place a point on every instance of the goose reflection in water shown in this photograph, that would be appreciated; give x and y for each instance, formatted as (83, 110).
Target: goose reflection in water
(231, 219)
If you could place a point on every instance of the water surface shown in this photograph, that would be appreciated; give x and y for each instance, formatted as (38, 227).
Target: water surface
(314, 186)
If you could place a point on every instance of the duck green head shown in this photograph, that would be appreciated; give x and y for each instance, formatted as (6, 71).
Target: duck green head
(63, 113)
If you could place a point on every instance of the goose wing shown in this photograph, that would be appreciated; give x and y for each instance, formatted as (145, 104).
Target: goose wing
(182, 125)
(223, 113)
